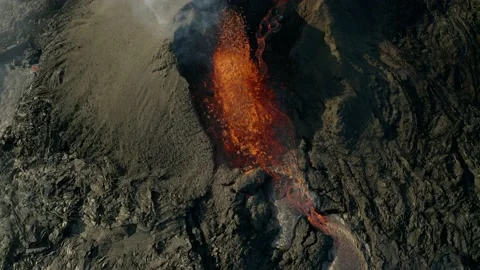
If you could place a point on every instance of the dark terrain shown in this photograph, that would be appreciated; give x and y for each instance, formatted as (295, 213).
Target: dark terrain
(106, 164)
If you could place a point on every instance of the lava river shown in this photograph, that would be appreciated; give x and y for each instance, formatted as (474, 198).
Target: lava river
(255, 133)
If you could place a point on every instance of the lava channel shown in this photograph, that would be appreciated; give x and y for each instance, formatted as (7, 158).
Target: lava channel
(255, 133)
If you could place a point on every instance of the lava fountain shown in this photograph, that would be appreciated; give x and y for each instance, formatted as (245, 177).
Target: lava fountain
(255, 133)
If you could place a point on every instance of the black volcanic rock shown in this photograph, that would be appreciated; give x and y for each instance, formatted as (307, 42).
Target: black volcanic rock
(107, 164)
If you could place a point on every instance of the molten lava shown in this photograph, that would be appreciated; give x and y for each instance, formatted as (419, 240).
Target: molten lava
(255, 133)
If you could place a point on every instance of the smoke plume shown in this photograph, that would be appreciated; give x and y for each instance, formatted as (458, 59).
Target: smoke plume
(166, 16)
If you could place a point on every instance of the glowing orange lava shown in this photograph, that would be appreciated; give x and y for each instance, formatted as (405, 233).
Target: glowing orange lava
(269, 24)
(255, 133)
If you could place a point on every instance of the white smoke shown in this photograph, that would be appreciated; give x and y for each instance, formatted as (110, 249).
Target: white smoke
(161, 16)
(157, 15)
(164, 10)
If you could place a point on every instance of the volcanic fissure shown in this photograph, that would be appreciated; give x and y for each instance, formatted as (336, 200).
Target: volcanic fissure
(239, 105)
(241, 111)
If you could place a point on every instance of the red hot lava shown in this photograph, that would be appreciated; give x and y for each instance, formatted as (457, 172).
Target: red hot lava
(255, 133)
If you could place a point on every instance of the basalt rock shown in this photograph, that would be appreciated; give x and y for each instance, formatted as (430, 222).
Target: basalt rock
(107, 163)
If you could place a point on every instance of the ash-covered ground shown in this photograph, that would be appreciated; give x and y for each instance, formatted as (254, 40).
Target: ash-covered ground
(107, 165)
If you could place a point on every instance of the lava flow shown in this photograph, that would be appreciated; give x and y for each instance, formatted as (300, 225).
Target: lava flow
(255, 133)
(269, 24)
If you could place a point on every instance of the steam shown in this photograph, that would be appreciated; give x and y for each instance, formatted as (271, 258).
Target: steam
(166, 16)
(162, 9)
(347, 252)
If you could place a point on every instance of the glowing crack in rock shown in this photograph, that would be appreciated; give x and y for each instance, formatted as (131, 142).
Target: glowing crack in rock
(270, 23)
